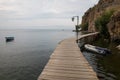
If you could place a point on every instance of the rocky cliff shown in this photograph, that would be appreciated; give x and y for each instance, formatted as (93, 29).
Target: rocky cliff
(114, 26)
(95, 12)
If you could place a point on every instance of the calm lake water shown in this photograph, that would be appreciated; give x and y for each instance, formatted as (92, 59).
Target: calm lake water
(25, 57)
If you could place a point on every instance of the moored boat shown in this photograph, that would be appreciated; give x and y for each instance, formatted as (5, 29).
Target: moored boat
(9, 39)
(97, 49)
(118, 47)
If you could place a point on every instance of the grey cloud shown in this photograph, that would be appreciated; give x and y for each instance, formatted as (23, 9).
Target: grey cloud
(18, 11)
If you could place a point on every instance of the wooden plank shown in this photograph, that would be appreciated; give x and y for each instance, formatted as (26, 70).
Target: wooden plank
(68, 75)
(67, 63)
(53, 77)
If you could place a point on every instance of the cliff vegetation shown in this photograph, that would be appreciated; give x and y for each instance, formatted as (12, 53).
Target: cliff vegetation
(104, 18)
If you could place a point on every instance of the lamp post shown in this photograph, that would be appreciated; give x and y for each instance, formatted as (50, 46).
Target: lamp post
(77, 19)
(76, 26)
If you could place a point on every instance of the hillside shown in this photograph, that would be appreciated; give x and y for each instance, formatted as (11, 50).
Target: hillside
(103, 17)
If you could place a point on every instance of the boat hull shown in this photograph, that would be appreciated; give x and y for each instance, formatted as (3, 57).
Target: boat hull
(97, 49)
(8, 39)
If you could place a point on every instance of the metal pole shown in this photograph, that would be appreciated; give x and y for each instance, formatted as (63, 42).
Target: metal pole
(77, 20)
(76, 27)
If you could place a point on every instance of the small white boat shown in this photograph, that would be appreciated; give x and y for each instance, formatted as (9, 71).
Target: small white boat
(118, 47)
(9, 39)
(97, 49)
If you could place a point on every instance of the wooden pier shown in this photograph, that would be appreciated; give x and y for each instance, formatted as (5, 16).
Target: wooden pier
(68, 63)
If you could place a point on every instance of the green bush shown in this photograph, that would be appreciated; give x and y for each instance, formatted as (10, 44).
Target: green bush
(101, 23)
(84, 26)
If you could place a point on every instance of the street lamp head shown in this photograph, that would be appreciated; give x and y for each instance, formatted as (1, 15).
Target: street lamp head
(72, 18)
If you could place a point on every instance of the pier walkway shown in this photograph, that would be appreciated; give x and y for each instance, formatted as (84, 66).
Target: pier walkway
(68, 63)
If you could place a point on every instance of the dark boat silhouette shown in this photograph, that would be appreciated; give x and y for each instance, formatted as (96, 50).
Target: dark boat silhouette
(8, 39)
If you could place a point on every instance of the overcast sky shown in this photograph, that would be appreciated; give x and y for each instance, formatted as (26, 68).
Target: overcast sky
(40, 14)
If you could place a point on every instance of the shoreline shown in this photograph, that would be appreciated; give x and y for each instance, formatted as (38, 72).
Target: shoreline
(105, 66)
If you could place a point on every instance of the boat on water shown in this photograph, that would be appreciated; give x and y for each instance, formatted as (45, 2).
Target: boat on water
(97, 49)
(8, 39)
(118, 47)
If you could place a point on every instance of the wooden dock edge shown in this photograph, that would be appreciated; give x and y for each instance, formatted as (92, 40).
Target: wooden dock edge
(68, 63)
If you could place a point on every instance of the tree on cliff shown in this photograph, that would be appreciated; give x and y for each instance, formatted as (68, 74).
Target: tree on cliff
(101, 23)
